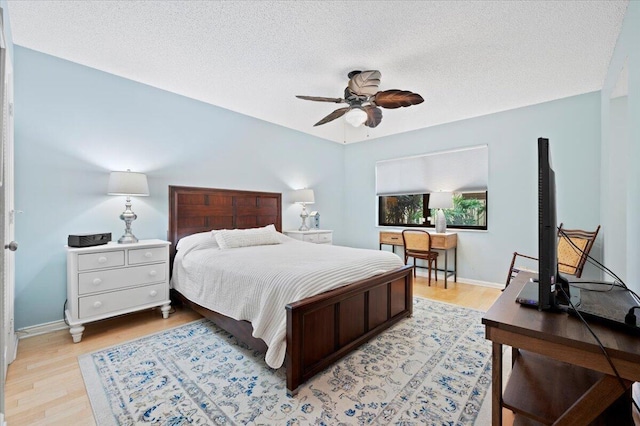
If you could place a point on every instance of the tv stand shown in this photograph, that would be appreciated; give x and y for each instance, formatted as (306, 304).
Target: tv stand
(559, 375)
(566, 387)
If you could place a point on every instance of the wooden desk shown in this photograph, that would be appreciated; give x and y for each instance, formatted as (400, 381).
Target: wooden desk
(444, 241)
(567, 349)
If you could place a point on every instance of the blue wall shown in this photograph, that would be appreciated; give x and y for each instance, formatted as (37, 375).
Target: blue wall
(573, 128)
(620, 201)
(74, 124)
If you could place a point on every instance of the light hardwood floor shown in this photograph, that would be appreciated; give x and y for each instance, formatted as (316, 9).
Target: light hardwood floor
(467, 295)
(45, 387)
(44, 384)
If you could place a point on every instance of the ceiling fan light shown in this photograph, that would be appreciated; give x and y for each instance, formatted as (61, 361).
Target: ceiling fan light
(356, 117)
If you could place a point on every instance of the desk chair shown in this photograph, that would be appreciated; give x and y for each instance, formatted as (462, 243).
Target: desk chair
(571, 260)
(417, 244)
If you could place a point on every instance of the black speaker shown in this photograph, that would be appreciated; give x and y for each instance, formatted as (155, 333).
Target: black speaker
(88, 240)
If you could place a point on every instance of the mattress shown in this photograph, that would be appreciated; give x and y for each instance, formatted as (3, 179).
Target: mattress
(256, 283)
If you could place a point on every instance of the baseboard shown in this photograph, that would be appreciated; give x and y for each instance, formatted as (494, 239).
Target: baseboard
(482, 283)
(2, 423)
(423, 273)
(39, 329)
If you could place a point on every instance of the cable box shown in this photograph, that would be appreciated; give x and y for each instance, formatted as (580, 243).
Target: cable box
(88, 240)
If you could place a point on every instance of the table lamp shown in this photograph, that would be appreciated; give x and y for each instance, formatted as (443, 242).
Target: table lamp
(304, 197)
(441, 200)
(128, 183)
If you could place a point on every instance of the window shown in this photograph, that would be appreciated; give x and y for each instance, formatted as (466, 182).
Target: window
(469, 211)
(403, 186)
(405, 210)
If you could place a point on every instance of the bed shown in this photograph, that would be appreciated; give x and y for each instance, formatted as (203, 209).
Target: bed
(320, 328)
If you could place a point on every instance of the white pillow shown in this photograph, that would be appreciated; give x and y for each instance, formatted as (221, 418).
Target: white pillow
(204, 239)
(235, 238)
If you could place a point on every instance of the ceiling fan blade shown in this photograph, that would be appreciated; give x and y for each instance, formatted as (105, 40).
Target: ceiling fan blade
(374, 116)
(320, 99)
(396, 98)
(365, 83)
(335, 114)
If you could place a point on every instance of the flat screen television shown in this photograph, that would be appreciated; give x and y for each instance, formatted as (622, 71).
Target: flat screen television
(550, 296)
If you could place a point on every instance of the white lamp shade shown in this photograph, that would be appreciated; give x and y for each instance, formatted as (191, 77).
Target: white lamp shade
(356, 117)
(441, 200)
(303, 196)
(128, 183)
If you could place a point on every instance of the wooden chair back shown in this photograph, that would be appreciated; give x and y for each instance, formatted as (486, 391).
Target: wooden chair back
(417, 244)
(574, 246)
(416, 240)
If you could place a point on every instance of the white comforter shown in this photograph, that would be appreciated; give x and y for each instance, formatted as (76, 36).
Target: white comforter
(256, 283)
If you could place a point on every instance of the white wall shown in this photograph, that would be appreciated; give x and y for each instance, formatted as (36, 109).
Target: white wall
(573, 128)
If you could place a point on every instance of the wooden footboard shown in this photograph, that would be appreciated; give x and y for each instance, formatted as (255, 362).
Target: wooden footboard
(322, 329)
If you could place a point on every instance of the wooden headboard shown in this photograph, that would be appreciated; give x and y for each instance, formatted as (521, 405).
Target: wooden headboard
(193, 210)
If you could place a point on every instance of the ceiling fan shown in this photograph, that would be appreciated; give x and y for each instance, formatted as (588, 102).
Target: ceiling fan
(364, 99)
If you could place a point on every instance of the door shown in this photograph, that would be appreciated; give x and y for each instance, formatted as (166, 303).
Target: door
(8, 342)
(7, 201)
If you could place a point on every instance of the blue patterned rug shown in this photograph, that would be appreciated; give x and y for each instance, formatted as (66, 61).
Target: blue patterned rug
(433, 368)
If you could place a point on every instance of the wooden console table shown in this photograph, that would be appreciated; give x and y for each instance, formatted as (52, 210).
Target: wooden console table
(444, 241)
(560, 375)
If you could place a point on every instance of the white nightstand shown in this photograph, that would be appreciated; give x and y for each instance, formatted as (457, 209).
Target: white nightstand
(317, 236)
(115, 279)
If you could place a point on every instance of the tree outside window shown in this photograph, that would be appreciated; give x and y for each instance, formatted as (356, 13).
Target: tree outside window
(469, 211)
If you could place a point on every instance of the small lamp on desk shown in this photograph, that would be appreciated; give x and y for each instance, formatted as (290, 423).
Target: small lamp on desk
(128, 183)
(304, 197)
(441, 200)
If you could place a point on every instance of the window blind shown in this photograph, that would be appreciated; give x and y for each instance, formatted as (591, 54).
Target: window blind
(460, 170)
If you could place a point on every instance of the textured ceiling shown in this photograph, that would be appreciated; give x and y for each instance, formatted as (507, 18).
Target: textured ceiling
(466, 58)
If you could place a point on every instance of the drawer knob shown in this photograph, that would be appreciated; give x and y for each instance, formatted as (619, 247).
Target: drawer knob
(102, 259)
(153, 273)
(153, 293)
(148, 255)
(97, 281)
(97, 304)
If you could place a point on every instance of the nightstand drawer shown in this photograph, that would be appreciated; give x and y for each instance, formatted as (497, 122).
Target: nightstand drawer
(156, 254)
(315, 236)
(325, 238)
(92, 282)
(99, 304)
(106, 259)
(310, 238)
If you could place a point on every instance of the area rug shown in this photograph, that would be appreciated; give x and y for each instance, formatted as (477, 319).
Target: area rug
(433, 368)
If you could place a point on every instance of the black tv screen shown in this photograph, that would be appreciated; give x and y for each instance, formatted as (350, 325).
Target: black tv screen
(547, 233)
(549, 279)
